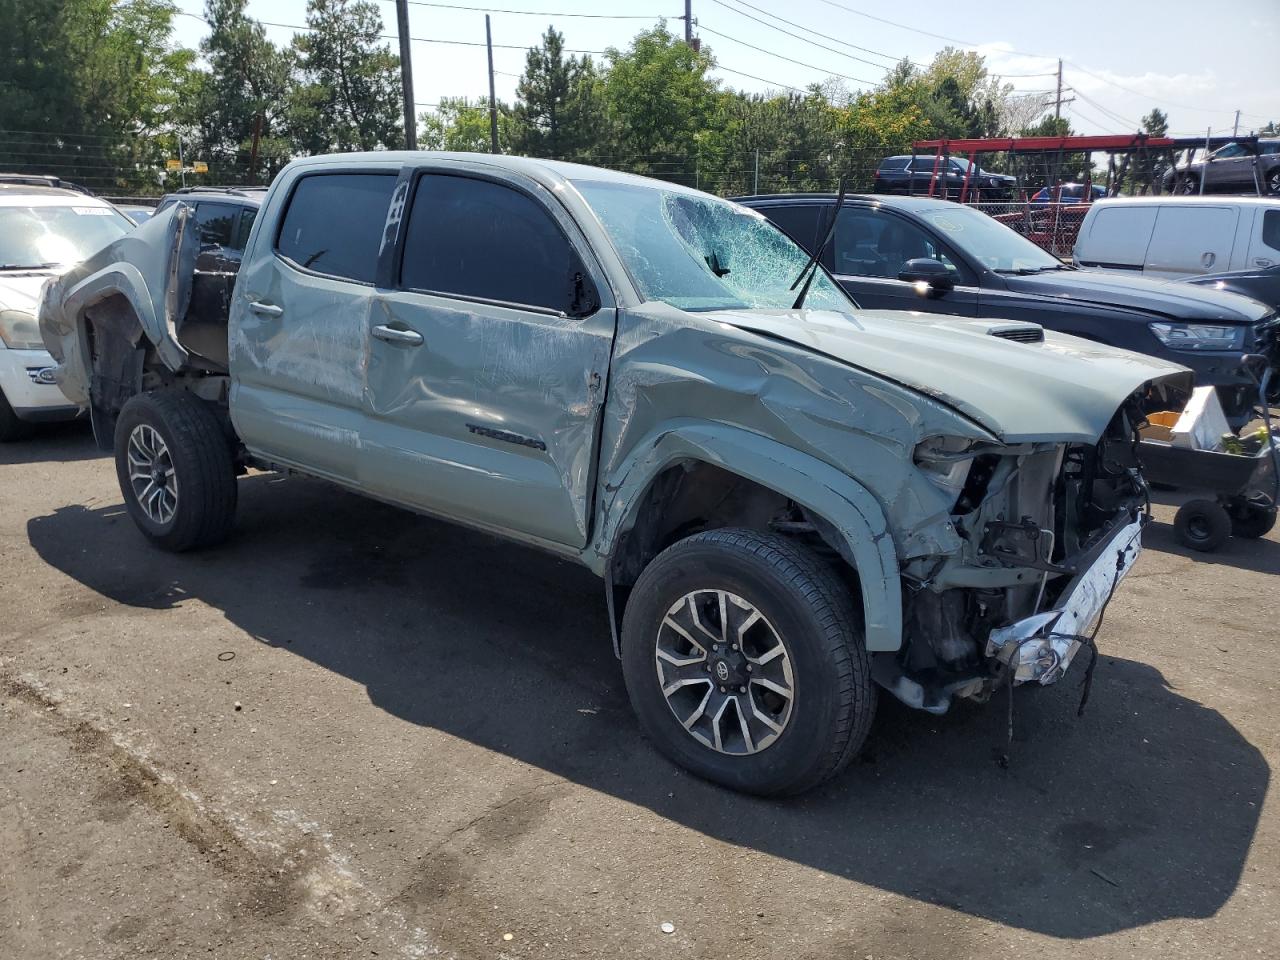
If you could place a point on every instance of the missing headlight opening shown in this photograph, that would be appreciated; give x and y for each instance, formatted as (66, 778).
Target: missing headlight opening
(1038, 525)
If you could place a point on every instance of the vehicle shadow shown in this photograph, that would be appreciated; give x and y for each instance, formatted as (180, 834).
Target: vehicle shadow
(61, 442)
(1143, 810)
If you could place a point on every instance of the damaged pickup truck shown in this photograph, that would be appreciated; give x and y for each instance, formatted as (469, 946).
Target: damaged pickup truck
(792, 502)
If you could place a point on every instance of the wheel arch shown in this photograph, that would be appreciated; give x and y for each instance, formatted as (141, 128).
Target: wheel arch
(634, 523)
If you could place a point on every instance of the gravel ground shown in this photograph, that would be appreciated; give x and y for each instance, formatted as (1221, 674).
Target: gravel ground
(351, 732)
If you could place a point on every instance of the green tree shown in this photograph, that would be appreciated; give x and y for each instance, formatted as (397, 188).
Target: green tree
(347, 95)
(87, 88)
(559, 110)
(244, 88)
(462, 125)
(658, 97)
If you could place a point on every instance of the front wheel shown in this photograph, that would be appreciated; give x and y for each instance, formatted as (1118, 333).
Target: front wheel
(1251, 520)
(1273, 182)
(744, 660)
(175, 468)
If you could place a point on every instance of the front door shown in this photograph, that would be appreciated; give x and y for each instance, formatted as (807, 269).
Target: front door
(870, 248)
(488, 359)
(299, 326)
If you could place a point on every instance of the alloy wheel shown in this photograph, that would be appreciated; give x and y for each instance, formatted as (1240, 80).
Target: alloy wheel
(725, 672)
(151, 474)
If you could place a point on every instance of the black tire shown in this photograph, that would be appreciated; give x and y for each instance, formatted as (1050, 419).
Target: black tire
(200, 457)
(805, 607)
(11, 428)
(1250, 520)
(1202, 525)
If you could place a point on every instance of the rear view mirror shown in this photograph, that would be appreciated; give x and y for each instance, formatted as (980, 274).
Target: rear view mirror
(926, 270)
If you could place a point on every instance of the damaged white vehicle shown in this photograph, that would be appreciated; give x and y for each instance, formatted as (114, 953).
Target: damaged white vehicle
(793, 502)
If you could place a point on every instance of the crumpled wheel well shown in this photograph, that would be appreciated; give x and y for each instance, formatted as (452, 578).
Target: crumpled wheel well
(692, 496)
(116, 348)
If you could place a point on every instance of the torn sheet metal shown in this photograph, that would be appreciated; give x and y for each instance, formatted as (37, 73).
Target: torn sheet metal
(1042, 646)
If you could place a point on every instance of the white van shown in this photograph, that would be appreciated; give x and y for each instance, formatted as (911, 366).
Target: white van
(1178, 237)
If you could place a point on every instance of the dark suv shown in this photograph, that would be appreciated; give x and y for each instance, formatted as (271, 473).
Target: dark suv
(918, 253)
(912, 175)
(224, 216)
(1230, 169)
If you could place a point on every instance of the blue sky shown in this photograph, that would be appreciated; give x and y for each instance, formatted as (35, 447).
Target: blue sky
(1198, 61)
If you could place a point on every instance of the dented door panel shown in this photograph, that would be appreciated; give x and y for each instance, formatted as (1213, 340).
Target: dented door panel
(492, 418)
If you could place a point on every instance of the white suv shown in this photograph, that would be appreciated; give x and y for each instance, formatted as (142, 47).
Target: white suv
(43, 230)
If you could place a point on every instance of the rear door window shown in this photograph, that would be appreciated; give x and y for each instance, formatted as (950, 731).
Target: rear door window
(800, 223)
(215, 222)
(240, 239)
(481, 240)
(1117, 236)
(1271, 230)
(334, 223)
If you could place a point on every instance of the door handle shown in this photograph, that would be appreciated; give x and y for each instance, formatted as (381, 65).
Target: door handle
(407, 338)
(1262, 261)
(265, 309)
(1208, 258)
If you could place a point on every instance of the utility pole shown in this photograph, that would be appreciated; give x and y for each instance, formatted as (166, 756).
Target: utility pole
(406, 76)
(493, 103)
(253, 152)
(688, 23)
(1059, 100)
(1235, 127)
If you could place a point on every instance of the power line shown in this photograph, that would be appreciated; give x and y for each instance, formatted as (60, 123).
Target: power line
(752, 76)
(770, 53)
(533, 13)
(798, 26)
(894, 23)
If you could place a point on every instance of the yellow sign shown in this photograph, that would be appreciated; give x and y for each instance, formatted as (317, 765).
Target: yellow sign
(199, 167)
(173, 164)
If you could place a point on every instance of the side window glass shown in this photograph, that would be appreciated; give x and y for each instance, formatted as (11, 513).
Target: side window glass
(800, 223)
(871, 244)
(214, 221)
(482, 240)
(334, 223)
(1230, 150)
(240, 238)
(1271, 229)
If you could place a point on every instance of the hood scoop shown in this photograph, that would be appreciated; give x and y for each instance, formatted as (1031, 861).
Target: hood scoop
(1023, 334)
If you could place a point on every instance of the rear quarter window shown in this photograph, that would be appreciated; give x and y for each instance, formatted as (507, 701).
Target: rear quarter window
(1271, 229)
(334, 223)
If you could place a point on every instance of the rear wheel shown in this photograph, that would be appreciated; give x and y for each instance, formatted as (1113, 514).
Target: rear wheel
(744, 661)
(1202, 525)
(175, 469)
(1190, 184)
(1273, 182)
(1251, 520)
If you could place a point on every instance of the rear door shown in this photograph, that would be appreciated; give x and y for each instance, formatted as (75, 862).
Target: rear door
(299, 327)
(488, 359)
(870, 248)
(1264, 246)
(1190, 239)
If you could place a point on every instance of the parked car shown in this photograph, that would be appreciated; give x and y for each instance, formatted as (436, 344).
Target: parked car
(790, 500)
(912, 175)
(1175, 237)
(914, 253)
(1067, 193)
(1230, 169)
(1260, 283)
(43, 229)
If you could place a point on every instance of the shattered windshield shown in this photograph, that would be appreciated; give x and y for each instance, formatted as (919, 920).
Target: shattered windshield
(699, 253)
(39, 237)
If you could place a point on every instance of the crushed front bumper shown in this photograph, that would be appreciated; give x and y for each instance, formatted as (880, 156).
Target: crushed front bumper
(1041, 647)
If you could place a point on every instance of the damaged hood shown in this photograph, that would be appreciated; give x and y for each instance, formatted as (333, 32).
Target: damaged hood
(1062, 389)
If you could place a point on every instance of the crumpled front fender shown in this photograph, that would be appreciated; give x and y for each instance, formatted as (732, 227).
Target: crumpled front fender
(839, 500)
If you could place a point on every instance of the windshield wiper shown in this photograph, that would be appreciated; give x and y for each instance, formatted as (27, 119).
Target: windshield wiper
(811, 268)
